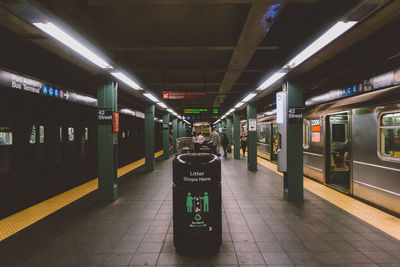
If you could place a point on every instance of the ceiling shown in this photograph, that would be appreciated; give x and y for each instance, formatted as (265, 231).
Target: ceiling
(224, 48)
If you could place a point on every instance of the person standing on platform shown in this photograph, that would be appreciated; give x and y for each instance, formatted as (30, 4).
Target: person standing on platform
(243, 143)
(225, 143)
(200, 138)
(214, 138)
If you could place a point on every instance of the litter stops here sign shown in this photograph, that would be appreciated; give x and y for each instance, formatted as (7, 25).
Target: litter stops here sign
(197, 201)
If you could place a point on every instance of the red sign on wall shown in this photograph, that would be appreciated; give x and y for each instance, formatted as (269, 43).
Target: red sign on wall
(183, 95)
(115, 122)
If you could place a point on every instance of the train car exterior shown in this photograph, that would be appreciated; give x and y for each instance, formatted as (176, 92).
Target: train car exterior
(352, 145)
(48, 145)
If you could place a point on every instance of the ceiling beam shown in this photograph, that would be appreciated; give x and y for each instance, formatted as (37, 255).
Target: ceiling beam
(254, 30)
(184, 48)
(193, 2)
(190, 84)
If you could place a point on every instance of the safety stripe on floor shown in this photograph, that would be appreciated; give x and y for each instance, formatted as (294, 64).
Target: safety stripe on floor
(373, 216)
(20, 220)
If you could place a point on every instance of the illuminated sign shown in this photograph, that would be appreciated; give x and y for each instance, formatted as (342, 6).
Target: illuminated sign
(200, 111)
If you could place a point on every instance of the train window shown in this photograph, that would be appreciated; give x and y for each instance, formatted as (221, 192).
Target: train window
(338, 132)
(123, 134)
(41, 134)
(5, 136)
(71, 134)
(261, 133)
(86, 133)
(306, 134)
(390, 136)
(33, 135)
(61, 135)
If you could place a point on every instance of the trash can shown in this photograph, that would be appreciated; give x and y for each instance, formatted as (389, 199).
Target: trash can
(197, 214)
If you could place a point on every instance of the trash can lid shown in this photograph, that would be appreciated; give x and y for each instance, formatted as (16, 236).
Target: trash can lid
(197, 158)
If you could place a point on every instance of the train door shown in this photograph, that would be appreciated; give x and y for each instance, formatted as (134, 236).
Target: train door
(274, 142)
(338, 151)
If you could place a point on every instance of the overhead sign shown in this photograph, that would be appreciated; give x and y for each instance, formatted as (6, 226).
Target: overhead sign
(183, 95)
(166, 126)
(19, 82)
(200, 111)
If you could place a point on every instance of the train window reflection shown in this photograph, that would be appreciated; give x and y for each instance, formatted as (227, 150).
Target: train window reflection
(32, 140)
(5, 136)
(41, 134)
(71, 134)
(306, 134)
(61, 134)
(390, 136)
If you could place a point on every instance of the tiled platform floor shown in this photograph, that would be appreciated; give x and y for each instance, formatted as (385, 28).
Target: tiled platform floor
(259, 228)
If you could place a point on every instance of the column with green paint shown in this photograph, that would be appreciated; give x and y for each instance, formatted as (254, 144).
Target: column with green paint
(174, 133)
(293, 178)
(179, 129)
(236, 135)
(184, 129)
(166, 136)
(149, 137)
(251, 137)
(107, 144)
(229, 133)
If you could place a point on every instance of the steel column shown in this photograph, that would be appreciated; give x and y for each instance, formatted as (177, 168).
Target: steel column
(251, 139)
(107, 160)
(149, 137)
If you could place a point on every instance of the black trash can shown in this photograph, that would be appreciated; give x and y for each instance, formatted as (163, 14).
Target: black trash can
(197, 214)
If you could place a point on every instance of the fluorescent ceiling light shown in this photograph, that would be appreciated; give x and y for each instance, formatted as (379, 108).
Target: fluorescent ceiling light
(170, 110)
(330, 35)
(122, 77)
(271, 80)
(238, 105)
(247, 98)
(231, 110)
(67, 40)
(223, 117)
(162, 104)
(151, 97)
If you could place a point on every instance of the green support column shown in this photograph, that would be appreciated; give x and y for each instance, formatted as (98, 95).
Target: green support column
(236, 136)
(218, 129)
(184, 129)
(223, 125)
(174, 133)
(179, 129)
(293, 178)
(149, 137)
(251, 138)
(107, 146)
(229, 133)
(166, 136)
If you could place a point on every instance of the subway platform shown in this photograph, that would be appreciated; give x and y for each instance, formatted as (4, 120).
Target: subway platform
(260, 228)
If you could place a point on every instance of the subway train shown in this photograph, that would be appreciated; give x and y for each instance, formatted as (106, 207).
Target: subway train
(351, 140)
(48, 145)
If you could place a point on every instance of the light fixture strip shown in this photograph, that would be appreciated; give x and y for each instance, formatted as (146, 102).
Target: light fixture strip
(334, 32)
(151, 97)
(67, 40)
(247, 98)
(122, 77)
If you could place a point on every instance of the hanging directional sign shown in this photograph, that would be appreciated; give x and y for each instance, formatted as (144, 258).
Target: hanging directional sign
(183, 95)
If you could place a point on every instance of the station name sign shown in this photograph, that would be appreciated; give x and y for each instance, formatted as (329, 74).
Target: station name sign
(27, 84)
(295, 114)
(104, 116)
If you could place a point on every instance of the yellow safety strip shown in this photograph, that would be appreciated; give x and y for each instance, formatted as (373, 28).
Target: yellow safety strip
(373, 216)
(27, 217)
